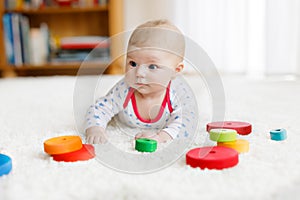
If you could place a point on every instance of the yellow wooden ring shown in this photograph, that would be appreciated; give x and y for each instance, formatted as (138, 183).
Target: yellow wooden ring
(239, 145)
(62, 144)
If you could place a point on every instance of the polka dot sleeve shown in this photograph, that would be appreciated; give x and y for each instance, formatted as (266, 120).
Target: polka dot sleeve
(182, 121)
(106, 107)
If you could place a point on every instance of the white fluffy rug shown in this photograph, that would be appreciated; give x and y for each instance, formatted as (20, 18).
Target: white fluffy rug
(35, 109)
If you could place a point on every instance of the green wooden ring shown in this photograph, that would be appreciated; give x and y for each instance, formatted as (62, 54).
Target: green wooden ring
(222, 135)
(145, 145)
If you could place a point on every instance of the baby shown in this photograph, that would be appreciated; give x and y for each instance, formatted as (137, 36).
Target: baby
(148, 97)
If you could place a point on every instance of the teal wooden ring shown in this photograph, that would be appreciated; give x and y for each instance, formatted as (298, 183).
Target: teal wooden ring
(222, 135)
(145, 145)
(278, 134)
(5, 164)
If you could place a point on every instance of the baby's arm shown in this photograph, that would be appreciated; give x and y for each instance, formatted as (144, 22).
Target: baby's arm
(102, 111)
(97, 117)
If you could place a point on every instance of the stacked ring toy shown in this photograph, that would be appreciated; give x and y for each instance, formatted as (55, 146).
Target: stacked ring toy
(68, 149)
(225, 154)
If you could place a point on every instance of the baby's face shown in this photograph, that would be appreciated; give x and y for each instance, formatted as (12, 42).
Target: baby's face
(150, 70)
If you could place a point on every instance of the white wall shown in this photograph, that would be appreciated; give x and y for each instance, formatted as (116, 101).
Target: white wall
(138, 11)
(241, 36)
(283, 41)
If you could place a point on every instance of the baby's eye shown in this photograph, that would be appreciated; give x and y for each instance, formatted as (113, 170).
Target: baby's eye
(132, 63)
(152, 66)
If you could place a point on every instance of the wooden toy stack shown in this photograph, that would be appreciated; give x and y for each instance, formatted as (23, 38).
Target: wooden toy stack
(68, 149)
(225, 154)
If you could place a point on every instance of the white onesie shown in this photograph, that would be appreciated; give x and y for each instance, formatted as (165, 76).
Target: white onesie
(176, 112)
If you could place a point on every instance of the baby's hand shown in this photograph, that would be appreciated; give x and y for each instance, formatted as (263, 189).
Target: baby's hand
(160, 137)
(96, 135)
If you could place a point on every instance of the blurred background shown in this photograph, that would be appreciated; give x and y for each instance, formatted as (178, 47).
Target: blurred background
(256, 38)
(252, 37)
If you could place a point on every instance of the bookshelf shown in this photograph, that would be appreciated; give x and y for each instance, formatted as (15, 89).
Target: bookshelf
(98, 20)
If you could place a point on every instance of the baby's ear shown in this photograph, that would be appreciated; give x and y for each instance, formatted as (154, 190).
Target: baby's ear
(179, 67)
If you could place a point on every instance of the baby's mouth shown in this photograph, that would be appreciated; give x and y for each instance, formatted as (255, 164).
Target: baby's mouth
(140, 84)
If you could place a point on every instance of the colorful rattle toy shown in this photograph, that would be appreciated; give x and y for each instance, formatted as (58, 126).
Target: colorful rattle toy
(145, 145)
(5, 164)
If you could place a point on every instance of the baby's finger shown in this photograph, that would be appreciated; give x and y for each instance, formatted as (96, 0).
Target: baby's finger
(93, 140)
(97, 140)
(89, 140)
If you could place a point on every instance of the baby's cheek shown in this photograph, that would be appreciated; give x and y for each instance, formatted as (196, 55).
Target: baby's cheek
(162, 79)
(129, 78)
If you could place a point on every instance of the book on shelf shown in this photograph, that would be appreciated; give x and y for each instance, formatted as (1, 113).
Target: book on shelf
(22, 46)
(31, 46)
(17, 39)
(8, 38)
(27, 4)
(39, 45)
(15, 33)
(97, 54)
(14, 4)
(82, 48)
(84, 42)
(25, 39)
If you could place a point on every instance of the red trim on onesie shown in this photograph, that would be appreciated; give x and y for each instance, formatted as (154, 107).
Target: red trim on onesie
(131, 91)
(166, 100)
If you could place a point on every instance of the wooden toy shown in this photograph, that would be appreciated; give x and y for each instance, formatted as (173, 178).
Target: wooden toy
(212, 157)
(239, 145)
(242, 128)
(222, 135)
(278, 134)
(62, 144)
(5, 164)
(145, 145)
(85, 153)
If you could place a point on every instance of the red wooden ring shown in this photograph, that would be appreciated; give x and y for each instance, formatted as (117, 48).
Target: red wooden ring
(242, 128)
(85, 153)
(215, 157)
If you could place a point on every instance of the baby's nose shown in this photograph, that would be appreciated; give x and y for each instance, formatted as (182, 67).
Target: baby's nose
(141, 71)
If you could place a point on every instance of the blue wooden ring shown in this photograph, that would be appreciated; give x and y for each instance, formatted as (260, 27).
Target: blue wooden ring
(278, 134)
(5, 164)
